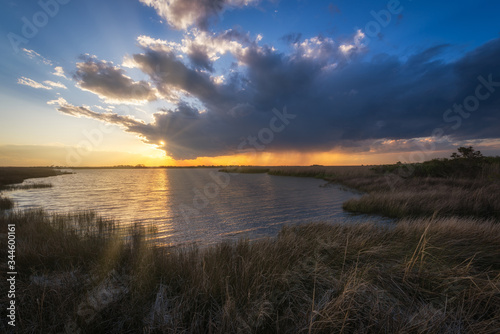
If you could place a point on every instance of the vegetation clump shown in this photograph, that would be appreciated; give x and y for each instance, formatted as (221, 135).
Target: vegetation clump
(6, 203)
(467, 163)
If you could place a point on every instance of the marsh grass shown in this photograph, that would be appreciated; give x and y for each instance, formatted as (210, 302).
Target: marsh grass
(432, 275)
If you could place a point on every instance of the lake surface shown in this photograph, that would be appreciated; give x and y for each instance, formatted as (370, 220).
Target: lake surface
(199, 205)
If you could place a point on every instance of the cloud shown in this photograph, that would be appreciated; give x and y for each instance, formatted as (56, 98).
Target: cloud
(47, 84)
(110, 83)
(355, 103)
(356, 46)
(35, 55)
(58, 71)
(181, 14)
(60, 101)
(32, 83)
(55, 84)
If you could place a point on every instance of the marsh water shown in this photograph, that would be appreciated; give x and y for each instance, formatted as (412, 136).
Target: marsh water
(193, 205)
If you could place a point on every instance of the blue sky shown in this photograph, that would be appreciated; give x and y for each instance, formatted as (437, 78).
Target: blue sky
(209, 73)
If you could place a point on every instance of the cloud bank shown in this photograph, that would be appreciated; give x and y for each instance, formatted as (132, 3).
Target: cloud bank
(342, 98)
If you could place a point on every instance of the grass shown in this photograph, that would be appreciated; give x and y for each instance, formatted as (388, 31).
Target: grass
(429, 196)
(77, 272)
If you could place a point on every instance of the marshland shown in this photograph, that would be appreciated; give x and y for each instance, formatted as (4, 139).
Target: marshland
(434, 268)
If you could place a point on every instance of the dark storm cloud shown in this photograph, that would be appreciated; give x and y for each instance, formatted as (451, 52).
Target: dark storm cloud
(110, 82)
(199, 58)
(339, 102)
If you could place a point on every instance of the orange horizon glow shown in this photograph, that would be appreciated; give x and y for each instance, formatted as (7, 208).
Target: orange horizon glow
(67, 156)
(272, 159)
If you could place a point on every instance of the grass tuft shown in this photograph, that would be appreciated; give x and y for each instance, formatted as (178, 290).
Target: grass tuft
(6, 203)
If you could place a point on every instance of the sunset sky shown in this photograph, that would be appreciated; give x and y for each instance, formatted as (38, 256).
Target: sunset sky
(190, 82)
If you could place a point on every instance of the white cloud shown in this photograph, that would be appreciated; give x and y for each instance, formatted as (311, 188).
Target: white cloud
(156, 44)
(316, 48)
(58, 71)
(60, 101)
(355, 46)
(35, 55)
(219, 80)
(213, 45)
(181, 14)
(55, 84)
(32, 83)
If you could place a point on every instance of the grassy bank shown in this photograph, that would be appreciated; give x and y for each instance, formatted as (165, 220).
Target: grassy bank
(423, 275)
(9, 176)
(13, 175)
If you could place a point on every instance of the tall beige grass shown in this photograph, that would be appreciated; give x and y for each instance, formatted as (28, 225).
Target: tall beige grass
(432, 275)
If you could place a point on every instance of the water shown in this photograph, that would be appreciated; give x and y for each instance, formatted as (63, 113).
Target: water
(199, 206)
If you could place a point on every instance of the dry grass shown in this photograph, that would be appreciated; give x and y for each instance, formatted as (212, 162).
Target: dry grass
(397, 197)
(421, 275)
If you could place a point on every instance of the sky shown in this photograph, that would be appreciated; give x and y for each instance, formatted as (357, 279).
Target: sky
(223, 82)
